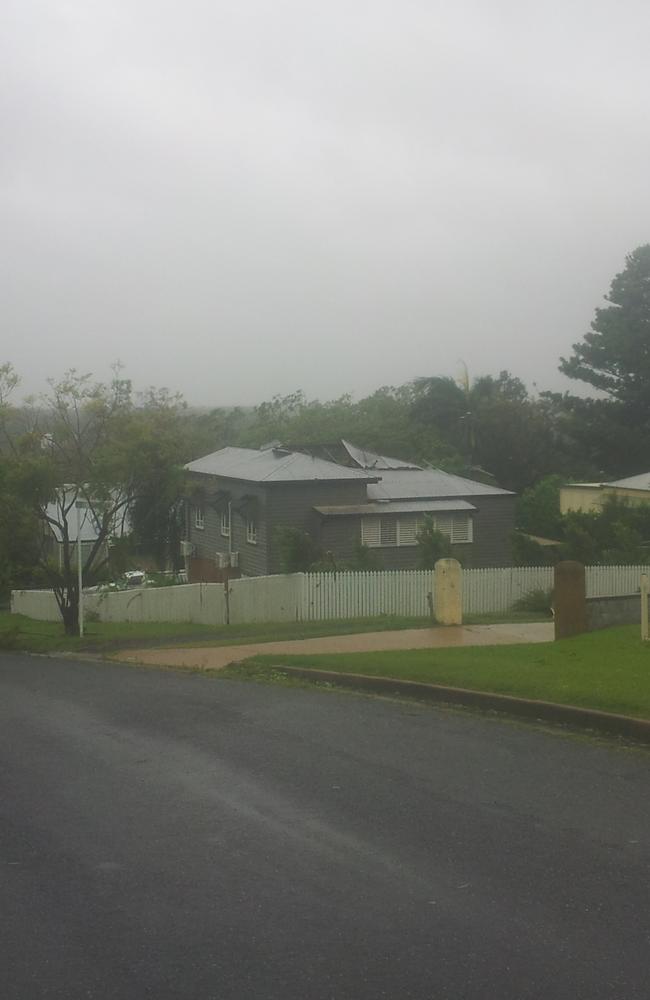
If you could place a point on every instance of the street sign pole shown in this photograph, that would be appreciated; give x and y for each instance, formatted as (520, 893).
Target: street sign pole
(80, 505)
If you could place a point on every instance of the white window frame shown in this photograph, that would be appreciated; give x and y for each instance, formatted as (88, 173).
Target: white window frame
(456, 533)
(199, 517)
(448, 524)
(251, 531)
(225, 524)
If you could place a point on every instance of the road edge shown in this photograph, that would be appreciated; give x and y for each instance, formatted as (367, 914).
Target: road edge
(627, 726)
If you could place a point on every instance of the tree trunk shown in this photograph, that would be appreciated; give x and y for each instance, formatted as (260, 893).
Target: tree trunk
(70, 616)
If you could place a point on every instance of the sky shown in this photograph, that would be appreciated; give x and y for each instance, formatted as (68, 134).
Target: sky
(241, 199)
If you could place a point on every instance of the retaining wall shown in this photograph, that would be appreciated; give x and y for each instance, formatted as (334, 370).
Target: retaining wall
(604, 612)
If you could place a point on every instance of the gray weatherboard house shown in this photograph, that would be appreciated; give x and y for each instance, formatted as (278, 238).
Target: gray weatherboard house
(240, 496)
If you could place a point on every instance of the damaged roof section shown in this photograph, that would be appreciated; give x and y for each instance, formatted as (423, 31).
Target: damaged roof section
(369, 460)
(273, 465)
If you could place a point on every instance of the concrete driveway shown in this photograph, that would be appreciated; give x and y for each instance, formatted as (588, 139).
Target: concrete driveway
(217, 657)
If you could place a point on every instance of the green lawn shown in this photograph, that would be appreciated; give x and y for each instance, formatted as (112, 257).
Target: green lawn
(21, 633)
(27, 634)
(608, 670)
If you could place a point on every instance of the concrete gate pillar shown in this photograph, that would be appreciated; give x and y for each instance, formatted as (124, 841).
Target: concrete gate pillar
(448, 592)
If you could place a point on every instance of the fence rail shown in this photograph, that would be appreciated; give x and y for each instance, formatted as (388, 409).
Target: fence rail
(323, 596)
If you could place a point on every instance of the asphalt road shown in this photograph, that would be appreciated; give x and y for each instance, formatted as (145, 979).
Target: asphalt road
(166, 835)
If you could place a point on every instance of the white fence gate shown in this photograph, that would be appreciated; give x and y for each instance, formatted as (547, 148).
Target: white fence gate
(322, 596)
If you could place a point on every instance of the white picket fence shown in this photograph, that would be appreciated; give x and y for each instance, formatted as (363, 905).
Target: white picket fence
(202, 603)
(487, 591)
(613, 581)
(365, 595)
(321, 596)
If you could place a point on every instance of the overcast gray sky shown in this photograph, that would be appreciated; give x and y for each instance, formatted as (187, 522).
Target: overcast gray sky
(238, 199)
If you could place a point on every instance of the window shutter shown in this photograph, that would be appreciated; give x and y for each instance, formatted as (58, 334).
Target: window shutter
(370, 532)
(388, 531)
(461, 528)
(443, 524)
(408, 530)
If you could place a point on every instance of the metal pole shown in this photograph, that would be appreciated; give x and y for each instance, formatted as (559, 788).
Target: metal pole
(80, 572)
(644, 606)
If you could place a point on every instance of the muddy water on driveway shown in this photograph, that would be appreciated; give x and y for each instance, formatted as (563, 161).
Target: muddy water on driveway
(216, 657)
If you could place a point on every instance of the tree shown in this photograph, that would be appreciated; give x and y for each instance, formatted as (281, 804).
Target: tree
(19, 538)
(538, 508)
(594, 439)
(382, 422)
(88, 445)
(494, 424)
(614, 357)
(616, 535)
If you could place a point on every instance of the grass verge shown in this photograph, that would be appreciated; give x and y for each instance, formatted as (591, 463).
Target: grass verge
(28, 635)
(608, 670)
(20, 633)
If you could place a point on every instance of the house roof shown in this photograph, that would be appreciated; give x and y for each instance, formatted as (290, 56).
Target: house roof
(640, 482)
(273, 465)
(412, 484)
(403, 507)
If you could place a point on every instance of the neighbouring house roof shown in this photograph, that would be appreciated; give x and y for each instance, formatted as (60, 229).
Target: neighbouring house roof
(584, 486)
(403, 507)
(273, 465)
(640, 482)
(411, 484)
(369, 460)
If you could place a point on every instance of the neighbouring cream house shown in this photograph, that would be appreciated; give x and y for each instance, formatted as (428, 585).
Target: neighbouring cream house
(590, 497)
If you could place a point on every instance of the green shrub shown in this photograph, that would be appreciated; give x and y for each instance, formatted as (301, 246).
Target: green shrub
(432, 544)
(298, 550)
(537, 601)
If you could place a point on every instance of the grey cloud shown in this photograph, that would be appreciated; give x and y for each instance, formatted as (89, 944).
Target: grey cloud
(238, 199)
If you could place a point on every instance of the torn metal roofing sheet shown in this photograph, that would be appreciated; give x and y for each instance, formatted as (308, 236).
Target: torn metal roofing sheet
(369, 460)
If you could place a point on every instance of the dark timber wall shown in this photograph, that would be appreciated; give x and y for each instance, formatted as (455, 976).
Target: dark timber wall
(291, 505)
(494, 524)
(492, 545)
